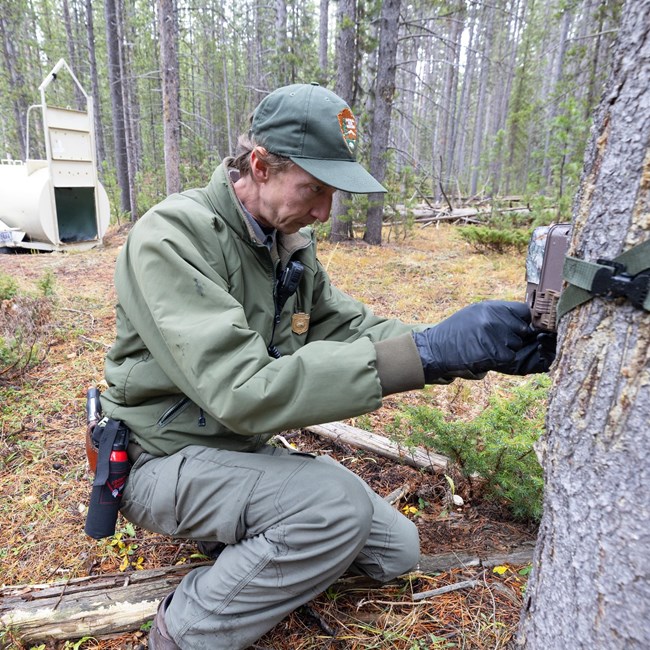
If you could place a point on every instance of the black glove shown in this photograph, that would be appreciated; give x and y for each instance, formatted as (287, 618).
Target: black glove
(491, 335)
(535, 356)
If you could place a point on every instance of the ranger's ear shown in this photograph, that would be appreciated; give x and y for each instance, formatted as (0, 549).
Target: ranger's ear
(259, 168)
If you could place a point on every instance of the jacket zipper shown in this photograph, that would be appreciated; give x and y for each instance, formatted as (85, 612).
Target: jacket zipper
(172, 412)
(271, 348)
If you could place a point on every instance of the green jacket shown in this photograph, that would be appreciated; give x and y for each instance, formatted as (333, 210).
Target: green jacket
(195, 316)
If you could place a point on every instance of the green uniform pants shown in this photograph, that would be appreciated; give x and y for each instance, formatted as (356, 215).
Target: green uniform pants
(293, 524)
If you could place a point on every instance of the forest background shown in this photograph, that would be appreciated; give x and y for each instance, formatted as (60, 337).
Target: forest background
(456, 99)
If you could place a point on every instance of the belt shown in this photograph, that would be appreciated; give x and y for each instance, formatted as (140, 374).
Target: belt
(134, 451)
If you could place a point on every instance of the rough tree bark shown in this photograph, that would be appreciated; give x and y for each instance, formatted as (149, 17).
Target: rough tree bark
(590, 586)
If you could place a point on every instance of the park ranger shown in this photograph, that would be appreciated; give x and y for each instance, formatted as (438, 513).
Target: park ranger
(229, 331)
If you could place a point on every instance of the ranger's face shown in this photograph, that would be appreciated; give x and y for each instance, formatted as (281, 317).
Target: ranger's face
(291, 199)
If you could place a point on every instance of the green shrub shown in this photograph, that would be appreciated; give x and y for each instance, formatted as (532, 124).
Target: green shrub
(8, 287)
(494, 451)
(498, 240)
(47, 284)
(25, 325)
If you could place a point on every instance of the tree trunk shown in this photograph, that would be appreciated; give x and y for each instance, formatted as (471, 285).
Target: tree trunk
(115, 81)
(97, 112)
(72, 55)
(281, 42)
(405, 128)
(481, 107)
(168, 32)
(464, 107)
(516, 125)
(556, 79)
(127, 39)
(510, 37)
(226, 93)
(19, 101)
(590, 586)
(340, 225)
(593, 64)
(323, 31)
(449, 100)
(384, 94)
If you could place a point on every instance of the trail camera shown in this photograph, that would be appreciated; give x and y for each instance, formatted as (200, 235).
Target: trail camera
(544, 263)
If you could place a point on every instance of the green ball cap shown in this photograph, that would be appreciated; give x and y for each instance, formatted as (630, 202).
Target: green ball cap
(315, 129)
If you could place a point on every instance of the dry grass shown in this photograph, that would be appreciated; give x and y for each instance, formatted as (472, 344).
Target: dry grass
(44, 482)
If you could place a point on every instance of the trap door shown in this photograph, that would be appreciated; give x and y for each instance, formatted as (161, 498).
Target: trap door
(72, 166)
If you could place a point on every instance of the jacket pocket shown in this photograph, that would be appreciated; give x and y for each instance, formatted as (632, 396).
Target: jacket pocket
(170, 414)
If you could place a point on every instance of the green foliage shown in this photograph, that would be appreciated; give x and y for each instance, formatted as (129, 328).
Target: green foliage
(356, 208)
(122, 546)
(76, 645)
(504, 232)
(109, 181)
(8, 287)
(46, 284)
(497, 240)
(24, 325)
(398, 214)
(569, 131)
(151, 188)
(543, 210)
(497, 445)
(507, 220)
(398, 207)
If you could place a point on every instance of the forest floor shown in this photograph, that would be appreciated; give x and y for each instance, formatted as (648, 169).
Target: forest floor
(44, 482)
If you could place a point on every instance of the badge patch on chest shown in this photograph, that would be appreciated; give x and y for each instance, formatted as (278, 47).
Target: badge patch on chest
(299, 323)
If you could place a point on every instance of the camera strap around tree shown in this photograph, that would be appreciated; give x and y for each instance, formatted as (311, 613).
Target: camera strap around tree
(626, 276)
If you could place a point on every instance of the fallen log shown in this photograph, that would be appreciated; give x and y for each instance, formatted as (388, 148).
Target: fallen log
(106, 605)
(414, 456)
(447, 561)
(103, 605)
(466, 214)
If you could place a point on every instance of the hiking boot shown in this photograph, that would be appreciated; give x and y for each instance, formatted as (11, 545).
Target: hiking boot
(159, 637)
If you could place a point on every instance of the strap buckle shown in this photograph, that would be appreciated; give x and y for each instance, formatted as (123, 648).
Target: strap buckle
(612, 281)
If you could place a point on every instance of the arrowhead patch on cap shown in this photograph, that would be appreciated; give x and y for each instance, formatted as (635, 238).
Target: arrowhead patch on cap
(348, 125)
